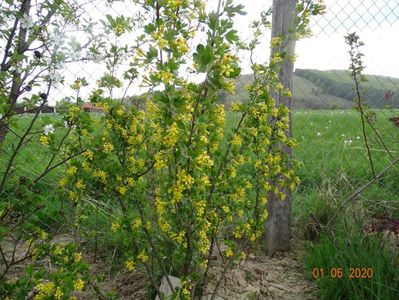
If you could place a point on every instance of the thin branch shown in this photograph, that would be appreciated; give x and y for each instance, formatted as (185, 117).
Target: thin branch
(360, 190)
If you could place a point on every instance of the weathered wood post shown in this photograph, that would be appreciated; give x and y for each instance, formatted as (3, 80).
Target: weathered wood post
(278, 224)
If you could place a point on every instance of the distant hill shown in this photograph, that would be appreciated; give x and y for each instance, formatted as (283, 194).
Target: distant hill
(315, 89)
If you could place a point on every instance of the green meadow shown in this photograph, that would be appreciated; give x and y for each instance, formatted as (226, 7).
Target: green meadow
(331, 160)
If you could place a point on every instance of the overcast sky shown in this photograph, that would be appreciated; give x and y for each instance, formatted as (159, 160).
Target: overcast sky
(376, 21)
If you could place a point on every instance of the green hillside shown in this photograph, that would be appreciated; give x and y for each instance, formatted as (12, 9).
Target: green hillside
(315, 89)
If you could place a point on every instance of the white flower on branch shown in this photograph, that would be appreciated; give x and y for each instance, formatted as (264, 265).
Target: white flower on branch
(26, 21)
(49, 129)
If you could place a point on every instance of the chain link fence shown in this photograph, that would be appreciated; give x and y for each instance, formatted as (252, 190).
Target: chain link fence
(321, 79)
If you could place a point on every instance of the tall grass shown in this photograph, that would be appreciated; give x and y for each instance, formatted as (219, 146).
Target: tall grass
(354, 251)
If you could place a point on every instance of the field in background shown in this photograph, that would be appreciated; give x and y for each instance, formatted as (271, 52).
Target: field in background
(331, 161)
(333, 89)
(330, 153)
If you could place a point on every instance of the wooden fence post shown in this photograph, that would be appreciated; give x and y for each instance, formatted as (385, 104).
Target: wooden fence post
(278, 224)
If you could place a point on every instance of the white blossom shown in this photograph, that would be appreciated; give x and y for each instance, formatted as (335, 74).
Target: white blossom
(347, 142)
(55, 76)
(318, 134)
(49, 129)
(26, 21)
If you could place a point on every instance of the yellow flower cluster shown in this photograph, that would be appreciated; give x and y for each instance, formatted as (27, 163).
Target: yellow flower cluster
(225, 66)
(166, 77)
(119, 30)
(45, 289)
(142, 256)
(181, 45)
(108, 147)
(172, 135)
(44, 140)
(204, 160)
(130, 265)
(160, 161)
(115, 226)
(236, 140)
(219, 116)
(122, 190)
(72, 170)
(235, 106)
(230, 86)
(88, 154)
(80, 184)
(101, 175)
(78, 284)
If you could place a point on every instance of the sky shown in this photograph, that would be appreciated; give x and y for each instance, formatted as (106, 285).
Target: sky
(376, 22)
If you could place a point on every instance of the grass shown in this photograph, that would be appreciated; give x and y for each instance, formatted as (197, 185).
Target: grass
(357, 252)
(332, 162)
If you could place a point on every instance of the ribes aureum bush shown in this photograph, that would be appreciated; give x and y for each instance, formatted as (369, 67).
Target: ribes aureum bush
(180, 181)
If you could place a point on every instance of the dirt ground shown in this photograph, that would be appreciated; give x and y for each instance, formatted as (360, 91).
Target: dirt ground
(258, 277)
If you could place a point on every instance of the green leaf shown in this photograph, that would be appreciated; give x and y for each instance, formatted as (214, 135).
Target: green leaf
(232, 36)
(203, 57)
(152, 53)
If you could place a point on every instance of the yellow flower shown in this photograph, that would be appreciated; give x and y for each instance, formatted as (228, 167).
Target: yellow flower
(230, 87)
(42, 234)
(159, 162)
(72, 170)
(235, 106)
(142, 256)
(108, 147)
(181, 45)
(77, 256)
(73, 196)
(119, 30)
(204, 160)
(166, 77)
(130, 182)
(236, 141)
(122, 190)
(115, 226)
(165, 227)
(44, 290)
(172, 136)
(80, 184)
(58, 250)
(78, 284)
(120, 111)
(63, 182)
(276, 41)
(136, 224)
(229, 253)
(101, 174)
(226, 209)
(58, 293)
(130, 265)
(88, 154)
(44, 140)
(162, 43)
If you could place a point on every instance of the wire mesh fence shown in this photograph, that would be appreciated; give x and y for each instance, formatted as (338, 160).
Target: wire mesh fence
(321, 80)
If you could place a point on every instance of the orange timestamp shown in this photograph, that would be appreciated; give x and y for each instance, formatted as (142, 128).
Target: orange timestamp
(340, 273)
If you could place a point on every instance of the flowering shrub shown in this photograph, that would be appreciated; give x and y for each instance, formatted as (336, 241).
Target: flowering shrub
(61, 275)
(179, 181)
(183, 182)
